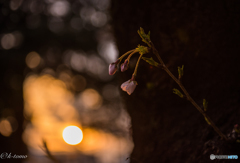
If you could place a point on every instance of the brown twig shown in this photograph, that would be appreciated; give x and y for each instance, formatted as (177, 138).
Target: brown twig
(188, 97)
(50, 156)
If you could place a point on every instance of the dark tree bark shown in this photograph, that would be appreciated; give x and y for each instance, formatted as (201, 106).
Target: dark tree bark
(12, 68)
(204, 37)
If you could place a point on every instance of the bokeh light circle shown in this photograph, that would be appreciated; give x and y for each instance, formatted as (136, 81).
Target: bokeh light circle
(72, 135)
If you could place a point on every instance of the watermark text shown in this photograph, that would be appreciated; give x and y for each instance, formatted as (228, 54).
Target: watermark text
(6, 155)
(212, 156)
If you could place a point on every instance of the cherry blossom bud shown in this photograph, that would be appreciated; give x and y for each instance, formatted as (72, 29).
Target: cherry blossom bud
(129, 86)
(113, 67)
(124, 66)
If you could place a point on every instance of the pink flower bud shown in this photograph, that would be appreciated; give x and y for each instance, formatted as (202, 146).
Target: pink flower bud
(124, 66)
(129, 86)
(113, 67)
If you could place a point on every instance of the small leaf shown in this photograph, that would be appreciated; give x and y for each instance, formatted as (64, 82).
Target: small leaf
(180, 72)
(151, 61)
(205, 104)
(145, 37)
(177, 92)
(207, 121)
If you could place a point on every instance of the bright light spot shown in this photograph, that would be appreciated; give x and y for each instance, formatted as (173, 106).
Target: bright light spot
(72, 135)
(108, 50)
(98, 19)
(15, 4)
(8, 41)
(91, 99)
(95, 65)
(101, 4)
(13, 122)
(5, 128)
(78, 61)
(33, 59)
(59, 8)
(86, 13)
(11, 40)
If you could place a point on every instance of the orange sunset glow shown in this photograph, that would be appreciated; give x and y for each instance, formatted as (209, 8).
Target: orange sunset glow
(50, 106)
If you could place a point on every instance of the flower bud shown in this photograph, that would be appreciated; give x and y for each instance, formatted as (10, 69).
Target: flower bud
(129, 86)
(113, 67)
(124, 66)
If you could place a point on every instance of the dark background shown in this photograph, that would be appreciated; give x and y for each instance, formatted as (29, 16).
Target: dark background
(204, 37)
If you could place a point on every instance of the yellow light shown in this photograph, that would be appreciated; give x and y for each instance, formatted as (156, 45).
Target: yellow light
(72, 135)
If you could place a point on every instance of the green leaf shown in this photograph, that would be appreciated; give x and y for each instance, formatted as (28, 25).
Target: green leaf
(180, 72)
(151, 61)
(205, 104)
(177, 92)
(145, 37)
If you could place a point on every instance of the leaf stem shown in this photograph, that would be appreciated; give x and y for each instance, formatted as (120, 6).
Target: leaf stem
(189, 98)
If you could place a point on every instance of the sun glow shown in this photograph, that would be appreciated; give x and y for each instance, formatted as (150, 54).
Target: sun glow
(72, 135)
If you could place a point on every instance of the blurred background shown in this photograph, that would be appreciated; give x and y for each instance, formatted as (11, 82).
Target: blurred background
(54, 58)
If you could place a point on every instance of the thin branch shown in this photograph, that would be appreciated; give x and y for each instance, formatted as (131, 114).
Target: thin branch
(189, 98)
